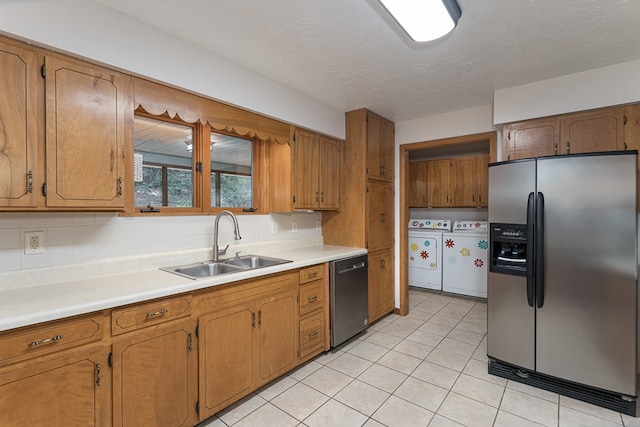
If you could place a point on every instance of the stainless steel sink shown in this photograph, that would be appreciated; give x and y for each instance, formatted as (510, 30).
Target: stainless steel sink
(255, 261)
(216, 268)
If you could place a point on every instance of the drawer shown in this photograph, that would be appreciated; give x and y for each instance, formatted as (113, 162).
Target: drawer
(140, 316)
(311, 334)
(311, 273)
(50, 337)
(311, 297)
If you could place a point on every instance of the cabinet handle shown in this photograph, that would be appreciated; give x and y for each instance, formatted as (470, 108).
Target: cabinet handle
(313, 335)
(120, 186)
(157, 313)
(317, 196)
(322, 196)
(568, 147)
(625, 146)
(313, 298)
(555, 148)
(382, 264)
(312, 275)
(97, 375)
(382, 217)
(253, 320)
(259, 317)
(46, 340)
(383, 170)
(30, 181)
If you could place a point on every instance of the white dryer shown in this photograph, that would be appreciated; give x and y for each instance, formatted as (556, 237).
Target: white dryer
(425, 252)
(465, 259)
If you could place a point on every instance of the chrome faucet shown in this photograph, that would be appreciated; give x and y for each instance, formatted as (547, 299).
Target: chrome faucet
(236, 232)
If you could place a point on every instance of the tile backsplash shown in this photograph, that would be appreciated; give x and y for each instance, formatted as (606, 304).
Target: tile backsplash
(71, 238)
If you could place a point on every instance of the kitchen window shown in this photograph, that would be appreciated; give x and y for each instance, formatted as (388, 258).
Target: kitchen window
(164, 163)
(170, 167)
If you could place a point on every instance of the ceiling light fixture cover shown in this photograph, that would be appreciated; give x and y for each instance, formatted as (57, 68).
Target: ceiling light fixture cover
(424, 20)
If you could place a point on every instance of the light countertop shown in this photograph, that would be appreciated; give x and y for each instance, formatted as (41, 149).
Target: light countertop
(28, 305)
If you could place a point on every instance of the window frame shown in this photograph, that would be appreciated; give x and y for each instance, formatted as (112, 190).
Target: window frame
(196, 132)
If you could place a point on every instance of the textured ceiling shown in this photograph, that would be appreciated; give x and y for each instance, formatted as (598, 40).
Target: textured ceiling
(350, 54)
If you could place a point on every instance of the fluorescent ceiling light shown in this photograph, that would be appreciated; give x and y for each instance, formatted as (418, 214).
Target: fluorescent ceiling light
(424, 20)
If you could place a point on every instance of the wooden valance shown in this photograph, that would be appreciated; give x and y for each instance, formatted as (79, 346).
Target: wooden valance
(158, 99)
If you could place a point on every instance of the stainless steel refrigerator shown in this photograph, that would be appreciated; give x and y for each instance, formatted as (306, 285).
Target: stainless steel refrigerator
(562, 287)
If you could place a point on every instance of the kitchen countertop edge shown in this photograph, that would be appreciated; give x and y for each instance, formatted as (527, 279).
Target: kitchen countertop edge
(32, 305)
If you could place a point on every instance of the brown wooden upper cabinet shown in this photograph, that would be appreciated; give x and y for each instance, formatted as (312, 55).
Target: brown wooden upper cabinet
(380, 146)
(18, 125)
(85, 134)
(585, 132)
(316, 162)
(450, 182)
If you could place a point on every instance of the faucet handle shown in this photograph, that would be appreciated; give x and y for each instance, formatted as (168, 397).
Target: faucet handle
(238, 255)
(223, 251)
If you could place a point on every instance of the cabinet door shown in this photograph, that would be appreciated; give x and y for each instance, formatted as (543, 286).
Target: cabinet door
(482, 180)
(305, 165)
(155, 377)
(532, 138)
(85, 129)
(387, 149)
(599, 130)
(381, 286)
(462, 181)
(227, 357)
(277, 320)
(329, 174)
(417, 184)
(18, 126)
(374, 145)
(58, 392)
(380, 214)
(380, 147)
(438, 173)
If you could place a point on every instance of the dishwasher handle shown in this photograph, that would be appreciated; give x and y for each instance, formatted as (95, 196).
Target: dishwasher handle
(352, 267)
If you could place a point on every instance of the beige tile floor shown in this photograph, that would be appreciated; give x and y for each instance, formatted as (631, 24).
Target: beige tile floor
(425, 369)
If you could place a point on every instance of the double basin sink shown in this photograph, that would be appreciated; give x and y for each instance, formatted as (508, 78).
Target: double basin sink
(232, 265)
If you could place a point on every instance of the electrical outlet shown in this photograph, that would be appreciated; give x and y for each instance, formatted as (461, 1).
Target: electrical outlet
(318, 224)
(33, 242)
(294, 226)
(274, 228)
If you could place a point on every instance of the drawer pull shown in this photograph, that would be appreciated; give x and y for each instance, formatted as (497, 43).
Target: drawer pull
(157, 313)
(313, 335)
(314, 274)
(44, 341)
(313, 298)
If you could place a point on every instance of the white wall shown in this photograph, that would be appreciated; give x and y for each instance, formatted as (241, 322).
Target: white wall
(72, 238)
(600, 87)
(90, 30)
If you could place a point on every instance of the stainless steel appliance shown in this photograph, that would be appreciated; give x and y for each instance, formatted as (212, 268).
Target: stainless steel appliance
(562, 283)
(349, 294)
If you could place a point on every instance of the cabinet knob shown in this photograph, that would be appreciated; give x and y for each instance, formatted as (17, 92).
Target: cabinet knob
(555, 148)
(568, 147)
(382, 217)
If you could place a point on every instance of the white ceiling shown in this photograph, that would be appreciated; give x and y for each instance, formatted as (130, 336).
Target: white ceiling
(350, 54)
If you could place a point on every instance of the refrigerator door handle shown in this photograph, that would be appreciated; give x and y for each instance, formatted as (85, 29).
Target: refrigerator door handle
(539, 248)
(530, 252)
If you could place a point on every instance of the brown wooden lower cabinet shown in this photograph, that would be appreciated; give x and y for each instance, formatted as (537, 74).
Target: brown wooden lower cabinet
(155, 377)
(381, 286)
(61, 390)
(170, 362)
(246, 340)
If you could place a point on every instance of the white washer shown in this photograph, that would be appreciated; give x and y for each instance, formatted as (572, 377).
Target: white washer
(425, 252)
(465, 259)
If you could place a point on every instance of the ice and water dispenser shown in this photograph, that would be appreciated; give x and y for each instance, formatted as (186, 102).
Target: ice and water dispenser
(508, 245)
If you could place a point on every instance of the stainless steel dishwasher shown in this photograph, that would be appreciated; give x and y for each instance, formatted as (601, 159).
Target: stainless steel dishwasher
(349, 298)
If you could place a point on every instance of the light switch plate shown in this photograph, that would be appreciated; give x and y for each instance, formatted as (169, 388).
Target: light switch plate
(34, 242)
